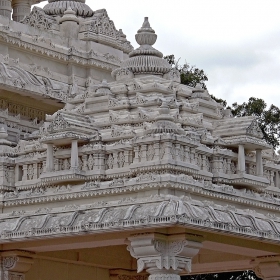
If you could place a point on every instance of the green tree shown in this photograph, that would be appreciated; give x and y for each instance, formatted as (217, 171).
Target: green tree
(239, 275)
(190, 75)
(268, 118)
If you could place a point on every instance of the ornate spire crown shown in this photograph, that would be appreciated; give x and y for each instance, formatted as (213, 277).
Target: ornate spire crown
(145, 59)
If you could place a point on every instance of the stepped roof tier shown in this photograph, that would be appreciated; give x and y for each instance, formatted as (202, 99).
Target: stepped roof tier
(106, 158)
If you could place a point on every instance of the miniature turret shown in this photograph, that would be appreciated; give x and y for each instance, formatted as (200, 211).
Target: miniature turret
(145, 60)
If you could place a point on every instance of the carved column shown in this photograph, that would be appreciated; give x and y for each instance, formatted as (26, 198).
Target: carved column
(49, 161)
(24, 172)
(126, 156)
(241, 159)
(136, 154)
(157, 153)
(21, 8)
(74, 155)
(143, 152)
(5, 8)
(268, 270)
(15, 266)
(163, 256)
(17, 173)
(259, 162)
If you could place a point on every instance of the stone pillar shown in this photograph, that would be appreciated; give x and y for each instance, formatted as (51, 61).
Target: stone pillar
(6, 8)
(259, 162)
(15, 265)
(268, 270)
(241, 159)
(163, 256)
(69, 24)
(136, 154)
(49, 161)
(17, 173)
(157, 151)
(74, 155)
(21, 8)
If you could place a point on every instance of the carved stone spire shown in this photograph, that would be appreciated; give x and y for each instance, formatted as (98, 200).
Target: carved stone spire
(145, 59)
(58, 7)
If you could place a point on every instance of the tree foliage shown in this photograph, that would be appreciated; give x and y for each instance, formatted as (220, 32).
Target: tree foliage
(240, 275)
(268, 118)
(190, 75)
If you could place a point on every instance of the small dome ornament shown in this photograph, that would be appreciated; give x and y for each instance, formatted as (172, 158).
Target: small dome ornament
(145, 60)
(69, 15)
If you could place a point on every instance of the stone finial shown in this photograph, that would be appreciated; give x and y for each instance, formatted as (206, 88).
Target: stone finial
(146, 35)
(69, 15)
(145, 60)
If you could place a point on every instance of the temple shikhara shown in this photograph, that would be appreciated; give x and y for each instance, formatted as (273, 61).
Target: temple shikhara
(111, 169)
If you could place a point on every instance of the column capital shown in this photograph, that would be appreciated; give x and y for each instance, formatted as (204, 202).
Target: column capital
(16, 261)
(15, 264)
(163, 254)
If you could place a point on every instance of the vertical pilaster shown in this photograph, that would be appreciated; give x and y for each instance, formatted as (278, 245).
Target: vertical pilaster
(277, 180)
(157, 148)
(143, 153)
(241, 159)
(116, 160)
(74, 155)
(24, 172)
(126, 158)
(85, 159)
(136, 154)
(16, 173)
(228, 166)
(259, 162)
(49, 160)
(35, 167)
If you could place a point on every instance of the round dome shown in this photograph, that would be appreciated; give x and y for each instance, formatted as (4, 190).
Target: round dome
(58, 7)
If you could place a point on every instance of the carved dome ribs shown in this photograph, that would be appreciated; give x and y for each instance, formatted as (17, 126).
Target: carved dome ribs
(57, 8)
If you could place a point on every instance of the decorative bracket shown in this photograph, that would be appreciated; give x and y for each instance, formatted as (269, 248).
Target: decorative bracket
(14, 265)
(162, 254)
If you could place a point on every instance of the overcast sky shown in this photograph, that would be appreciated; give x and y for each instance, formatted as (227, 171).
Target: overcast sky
(236, 42)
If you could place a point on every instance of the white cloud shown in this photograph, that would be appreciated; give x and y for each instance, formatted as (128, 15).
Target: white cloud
(236, 42)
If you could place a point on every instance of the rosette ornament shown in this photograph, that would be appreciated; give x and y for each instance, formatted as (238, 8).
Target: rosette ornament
(58, 7)
(145, 60)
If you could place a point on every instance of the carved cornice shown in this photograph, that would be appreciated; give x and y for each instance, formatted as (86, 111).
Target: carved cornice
(159, 211)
